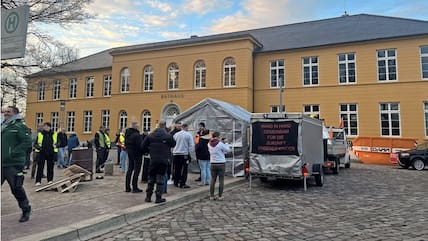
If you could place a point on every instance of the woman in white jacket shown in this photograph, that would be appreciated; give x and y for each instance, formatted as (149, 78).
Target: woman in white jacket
(217, 151)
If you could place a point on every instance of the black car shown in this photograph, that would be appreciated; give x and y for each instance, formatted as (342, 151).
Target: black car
(417, 158)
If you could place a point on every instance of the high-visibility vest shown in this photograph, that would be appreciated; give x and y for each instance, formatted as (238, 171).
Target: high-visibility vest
(40, 141)
(101, 139)
(108, 141)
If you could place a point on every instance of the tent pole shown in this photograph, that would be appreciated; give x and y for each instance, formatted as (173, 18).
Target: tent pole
(233, 149)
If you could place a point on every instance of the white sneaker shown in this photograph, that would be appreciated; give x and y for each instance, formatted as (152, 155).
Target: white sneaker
(212, 198)
(221, 198)
(38, 184)
(169, 182)
(50, 182)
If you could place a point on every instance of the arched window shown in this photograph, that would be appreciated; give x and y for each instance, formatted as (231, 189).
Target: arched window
(124, 80)
(200, 74)
(147, 118)
(229, 72)
(148, 78)
(123, 120)
(173, 76)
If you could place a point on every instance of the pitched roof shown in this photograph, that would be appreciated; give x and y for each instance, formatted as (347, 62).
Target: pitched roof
(339, 30)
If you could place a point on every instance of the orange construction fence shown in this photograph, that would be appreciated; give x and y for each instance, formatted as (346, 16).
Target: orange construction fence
(377, 150)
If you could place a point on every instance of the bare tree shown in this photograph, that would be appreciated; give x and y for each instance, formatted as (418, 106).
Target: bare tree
(42, 50)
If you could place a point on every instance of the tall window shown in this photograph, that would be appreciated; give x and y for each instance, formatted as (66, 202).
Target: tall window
(123, 120)
(277, 70)
(424, 61)
(390, 119)
(87, 121)
(41, 92)
(311, 110)
(72, 89)
(89, 92)
(71, 116)
(39, 119)
(147, 118)
(54, 120)
(310, 71)
(229, 72)
(387, 64)
(124, 80)
(105, 118)
(57, 90)
(107, 85)
(200, 74)
(426, 118)
(277, 109)
(173, 72)
(148, 78)
(346, 68)
(349, 114)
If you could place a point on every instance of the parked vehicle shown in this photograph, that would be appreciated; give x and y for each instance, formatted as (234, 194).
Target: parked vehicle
(337, 150)
(286, 146)
(416, 158)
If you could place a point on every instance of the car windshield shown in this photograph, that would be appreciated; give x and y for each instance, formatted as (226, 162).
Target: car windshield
(422, 146)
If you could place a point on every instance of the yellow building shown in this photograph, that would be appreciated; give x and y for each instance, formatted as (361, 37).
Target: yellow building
(371, 71)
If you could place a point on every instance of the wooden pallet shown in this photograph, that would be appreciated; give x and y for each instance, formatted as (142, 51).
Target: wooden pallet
(67, 184)
(75, 169)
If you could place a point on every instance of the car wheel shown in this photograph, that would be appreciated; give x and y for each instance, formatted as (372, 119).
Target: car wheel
(263, 179)
(418, 164)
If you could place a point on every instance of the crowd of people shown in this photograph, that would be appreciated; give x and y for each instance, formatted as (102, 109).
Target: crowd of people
(163, 156)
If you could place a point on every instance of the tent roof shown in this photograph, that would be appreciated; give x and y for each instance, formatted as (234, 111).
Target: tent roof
(234, 110)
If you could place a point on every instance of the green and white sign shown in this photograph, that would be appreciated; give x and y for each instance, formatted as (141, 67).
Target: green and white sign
(14, 24)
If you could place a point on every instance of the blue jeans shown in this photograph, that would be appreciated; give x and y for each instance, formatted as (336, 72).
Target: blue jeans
(61, 152)
(204, 165)
(123, 156)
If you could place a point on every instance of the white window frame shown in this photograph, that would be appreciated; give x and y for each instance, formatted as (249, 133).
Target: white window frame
(347, 120)
(39, 119)
(125, 76)
(72, 88)
(105, 118)
(89, 90)
(56, 90)
(107, 85)
(276, 108)
(87, 121)
(229, 72)
(424, 55)
(389, 111)
(147, 118)
(312, 109)
(148, 79)
(310, 65)
(55, 120)
(425, 107)
(277, 73)
(200, 75)
(71, 120)
(123, 120)
(347, 62)
(41, 91)
(386, 59)
(173, 76)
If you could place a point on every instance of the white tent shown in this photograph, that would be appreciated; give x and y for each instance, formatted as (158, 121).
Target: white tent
(232, 121)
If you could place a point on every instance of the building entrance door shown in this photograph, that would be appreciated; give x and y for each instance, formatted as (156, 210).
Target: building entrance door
(169, 113)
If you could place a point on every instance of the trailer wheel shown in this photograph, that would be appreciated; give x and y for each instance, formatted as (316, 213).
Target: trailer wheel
(319, 178)
(263, 179)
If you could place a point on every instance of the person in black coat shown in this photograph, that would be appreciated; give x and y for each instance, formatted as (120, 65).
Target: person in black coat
(158, 144)
(135, 155)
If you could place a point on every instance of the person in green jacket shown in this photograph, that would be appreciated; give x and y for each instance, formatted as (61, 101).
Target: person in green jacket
(15, 142)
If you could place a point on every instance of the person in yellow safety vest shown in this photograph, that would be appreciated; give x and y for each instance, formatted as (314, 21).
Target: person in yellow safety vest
(121, 146)
(101, 148)
(108, 145)
(46, 148)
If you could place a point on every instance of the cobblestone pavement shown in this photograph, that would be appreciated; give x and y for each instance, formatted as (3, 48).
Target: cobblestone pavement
(366, 202)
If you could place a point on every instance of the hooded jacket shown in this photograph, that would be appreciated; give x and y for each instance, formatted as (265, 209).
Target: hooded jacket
(217, 150)
(15, 142)
(201, 148)
(158, 144)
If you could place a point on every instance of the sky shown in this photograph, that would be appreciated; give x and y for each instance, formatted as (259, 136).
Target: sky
(129, 22)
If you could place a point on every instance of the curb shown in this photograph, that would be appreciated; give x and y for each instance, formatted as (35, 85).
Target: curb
(103, 224)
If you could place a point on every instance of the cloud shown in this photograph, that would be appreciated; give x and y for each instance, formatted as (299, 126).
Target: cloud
(173, 35)
(202, 7)
(164, 7)
(105, 9)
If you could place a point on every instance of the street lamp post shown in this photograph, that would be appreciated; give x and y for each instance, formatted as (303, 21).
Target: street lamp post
(281, 90)
(62, 109)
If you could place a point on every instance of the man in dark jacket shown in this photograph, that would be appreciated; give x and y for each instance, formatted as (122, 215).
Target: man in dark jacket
(62, 143)
(101, 148)
(158, 144)
(15, 141)
(203, 155)
(133, 141)
(47, 147)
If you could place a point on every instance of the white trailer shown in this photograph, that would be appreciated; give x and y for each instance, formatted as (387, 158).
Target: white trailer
(286, 146)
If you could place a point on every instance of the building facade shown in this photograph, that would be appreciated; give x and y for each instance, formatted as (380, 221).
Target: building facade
(369, 71)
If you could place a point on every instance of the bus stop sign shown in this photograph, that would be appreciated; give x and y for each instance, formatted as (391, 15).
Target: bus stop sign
(14, 23)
